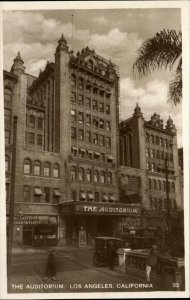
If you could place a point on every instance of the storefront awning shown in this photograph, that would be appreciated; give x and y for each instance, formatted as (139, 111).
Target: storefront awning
(37, 191)
(90, 196)
(105, 197)
(57, 193)
(97, 153)
(82, 150)
(74, 148)
(112, 198)
(110, 157)
(90, 151)
(83, 195)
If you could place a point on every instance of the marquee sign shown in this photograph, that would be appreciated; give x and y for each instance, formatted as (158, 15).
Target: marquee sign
(101, 209)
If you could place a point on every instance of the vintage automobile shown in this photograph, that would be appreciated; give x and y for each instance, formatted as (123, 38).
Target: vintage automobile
(101, 249)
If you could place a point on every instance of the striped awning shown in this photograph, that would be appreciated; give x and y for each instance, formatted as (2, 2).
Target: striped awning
(82, 195)
(82, 150)
(90, 151)
(97, 153)
(112, 198)
(74, 148)
(105, 197)
(57, 193)
(90, 196)
(37, 191)
(110, 157)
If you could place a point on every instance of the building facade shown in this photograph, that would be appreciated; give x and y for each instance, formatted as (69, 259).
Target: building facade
(67, 149)
(148, 151)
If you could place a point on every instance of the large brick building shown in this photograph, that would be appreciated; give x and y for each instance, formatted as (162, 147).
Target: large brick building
(145, 148)
(67, 149)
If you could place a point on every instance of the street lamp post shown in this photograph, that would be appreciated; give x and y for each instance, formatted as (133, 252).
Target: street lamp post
(12, 194)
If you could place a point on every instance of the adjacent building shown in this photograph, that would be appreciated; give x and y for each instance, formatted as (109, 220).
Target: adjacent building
(148, 150)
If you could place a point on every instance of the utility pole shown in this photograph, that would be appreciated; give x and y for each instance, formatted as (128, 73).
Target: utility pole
(11, 209)
(167, 194)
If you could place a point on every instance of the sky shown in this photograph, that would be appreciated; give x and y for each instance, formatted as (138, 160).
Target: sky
(115, 34)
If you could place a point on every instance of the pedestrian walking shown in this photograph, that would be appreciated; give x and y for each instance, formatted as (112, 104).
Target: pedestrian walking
(51, 266)
(151, 261)
(111, 255)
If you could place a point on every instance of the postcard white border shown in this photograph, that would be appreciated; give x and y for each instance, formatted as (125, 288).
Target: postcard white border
(185, 8)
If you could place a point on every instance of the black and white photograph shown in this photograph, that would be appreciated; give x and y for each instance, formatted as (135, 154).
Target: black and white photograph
(94, 149)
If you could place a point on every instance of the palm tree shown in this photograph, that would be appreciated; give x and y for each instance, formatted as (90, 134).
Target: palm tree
(162, 51)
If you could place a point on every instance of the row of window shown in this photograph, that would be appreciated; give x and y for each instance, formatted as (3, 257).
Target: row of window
(82, 153)
(90, 196)
(81, 85)
(91, 137)
(159, 204)
(96, 105)
(37, 168)
(152, 167)
(90, 120)
(8, 97)
(159, 185)
(152, 139)
(90, 176)
(34, 121)
(39, 194)
(34, 139)
(151, 153)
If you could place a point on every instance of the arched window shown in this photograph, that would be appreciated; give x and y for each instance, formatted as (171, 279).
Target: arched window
(109, 178)
(73, 173)
(56, 171)
(7, 163)
(37, 168)
(88, 175)
(102, 177)
(81, 174)
(27, 166)
(47, 169)
(96, 179)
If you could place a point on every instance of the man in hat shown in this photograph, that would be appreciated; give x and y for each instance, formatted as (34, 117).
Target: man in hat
(151, 261)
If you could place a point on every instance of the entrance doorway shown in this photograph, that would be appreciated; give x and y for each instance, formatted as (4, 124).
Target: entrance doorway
(105, 226)
(27, 236)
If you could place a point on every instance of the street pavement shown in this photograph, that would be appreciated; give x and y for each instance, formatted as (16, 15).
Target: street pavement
(75, 274)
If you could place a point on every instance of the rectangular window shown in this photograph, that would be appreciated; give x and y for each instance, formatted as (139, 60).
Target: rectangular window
(88, 119)
(162, 155)
(166, 143)
(73, 133)
(88, 136)
(73, 97)
(152, 167)
(108, 142)
(73, 195)
(101, 124)
(171, 157)
(95, 122)
(37, 170)
(47, 194)
(95, 138)
(147, 152)
(31, 138)
(152, 153)
(40, 123)
(88, 103)
(39, 140)
(95, 105)
(81, 117)
(157, 154)
(101, 107)
(32, 121)
(7, 137)
(80, 100)
(96, 196)
(147, 166)
(7, 191)
(108, 126)
(102, 140)
(81, 134)
(108, 109)
(37, 194)
(80, 83)
(26, 193)
(7, 114)
(73, 115)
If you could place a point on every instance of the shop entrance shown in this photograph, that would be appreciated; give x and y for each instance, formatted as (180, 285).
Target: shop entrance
(105, 226)
(27, 236)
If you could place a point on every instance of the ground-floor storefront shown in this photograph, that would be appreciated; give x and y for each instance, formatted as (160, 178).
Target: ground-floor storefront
(97, 219)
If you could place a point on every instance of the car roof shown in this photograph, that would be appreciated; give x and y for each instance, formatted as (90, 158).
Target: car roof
(108, 238)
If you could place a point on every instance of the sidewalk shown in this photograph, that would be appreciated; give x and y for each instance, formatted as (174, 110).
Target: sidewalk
(47, 249)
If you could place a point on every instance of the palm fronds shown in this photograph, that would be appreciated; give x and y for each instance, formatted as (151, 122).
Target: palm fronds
(161, 52)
